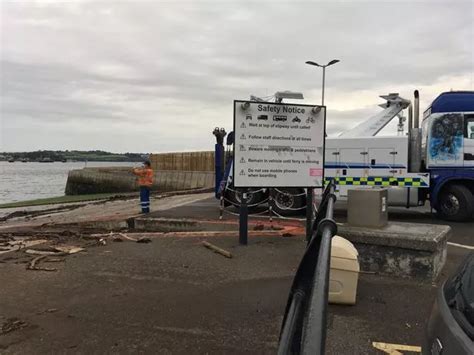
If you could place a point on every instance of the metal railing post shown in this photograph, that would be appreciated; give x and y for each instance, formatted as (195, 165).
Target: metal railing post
(309, 213)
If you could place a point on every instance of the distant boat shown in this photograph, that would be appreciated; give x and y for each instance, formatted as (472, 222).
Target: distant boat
(46, 160)
(11, 160)
(25, 160)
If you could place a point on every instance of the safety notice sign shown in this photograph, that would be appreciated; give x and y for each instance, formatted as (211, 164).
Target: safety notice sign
(278, 145)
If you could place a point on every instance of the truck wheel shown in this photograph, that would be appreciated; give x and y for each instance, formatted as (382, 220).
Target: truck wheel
(456, 203)
(234, 197)
(288, 202)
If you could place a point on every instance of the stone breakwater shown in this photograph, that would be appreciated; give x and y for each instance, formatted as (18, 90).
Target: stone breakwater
(110, 180)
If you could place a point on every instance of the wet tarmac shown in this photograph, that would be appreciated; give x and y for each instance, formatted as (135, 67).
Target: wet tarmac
(173, 296)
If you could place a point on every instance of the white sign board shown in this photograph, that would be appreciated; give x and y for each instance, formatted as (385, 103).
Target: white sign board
(278, 145)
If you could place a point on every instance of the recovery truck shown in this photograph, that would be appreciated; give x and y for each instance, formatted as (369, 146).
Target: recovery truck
(432, 162)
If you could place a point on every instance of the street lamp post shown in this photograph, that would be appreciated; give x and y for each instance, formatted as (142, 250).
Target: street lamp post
(309, 192)
(334, 61)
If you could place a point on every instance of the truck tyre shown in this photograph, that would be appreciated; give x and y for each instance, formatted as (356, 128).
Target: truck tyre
(288, 201)
(456, 203)
(234, 197)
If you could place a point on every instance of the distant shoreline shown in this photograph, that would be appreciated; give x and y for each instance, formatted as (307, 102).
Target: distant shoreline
(47, 156)
(78, 161)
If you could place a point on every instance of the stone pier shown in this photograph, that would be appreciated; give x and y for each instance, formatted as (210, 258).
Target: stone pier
(110, 180)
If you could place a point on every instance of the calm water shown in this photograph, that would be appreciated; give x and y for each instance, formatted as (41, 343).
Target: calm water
(27, 181)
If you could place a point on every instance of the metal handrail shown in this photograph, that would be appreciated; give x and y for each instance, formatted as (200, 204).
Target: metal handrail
(303, 329)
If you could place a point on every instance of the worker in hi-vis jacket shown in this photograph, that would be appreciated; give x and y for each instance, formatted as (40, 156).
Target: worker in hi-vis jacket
(145, 180)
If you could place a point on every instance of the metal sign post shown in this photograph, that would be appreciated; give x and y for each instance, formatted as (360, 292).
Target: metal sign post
(243, 220)
(279, 145)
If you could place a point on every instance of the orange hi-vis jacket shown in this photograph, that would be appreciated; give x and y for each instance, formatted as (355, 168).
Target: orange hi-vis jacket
(145, 176)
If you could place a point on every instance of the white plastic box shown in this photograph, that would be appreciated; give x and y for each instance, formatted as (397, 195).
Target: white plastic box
(344, 272)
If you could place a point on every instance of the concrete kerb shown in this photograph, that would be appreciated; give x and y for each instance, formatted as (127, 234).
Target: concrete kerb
(165, 225)
(175, 227)
(415, 236)
(168, 225)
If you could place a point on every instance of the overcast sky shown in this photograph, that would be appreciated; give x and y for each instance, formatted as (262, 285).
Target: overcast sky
(158, 76)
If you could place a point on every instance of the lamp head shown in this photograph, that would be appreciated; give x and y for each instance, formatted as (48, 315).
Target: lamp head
(312, 63)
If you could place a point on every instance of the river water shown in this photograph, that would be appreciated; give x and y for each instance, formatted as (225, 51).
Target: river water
(27, 181)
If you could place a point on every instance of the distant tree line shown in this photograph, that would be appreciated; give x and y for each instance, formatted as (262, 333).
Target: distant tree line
(73, 155)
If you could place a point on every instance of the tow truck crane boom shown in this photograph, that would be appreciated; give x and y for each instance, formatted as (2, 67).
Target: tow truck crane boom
(369, 128)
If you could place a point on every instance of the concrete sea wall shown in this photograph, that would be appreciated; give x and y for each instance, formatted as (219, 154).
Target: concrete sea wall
(173, 171)
(110, 180)
(187, 161)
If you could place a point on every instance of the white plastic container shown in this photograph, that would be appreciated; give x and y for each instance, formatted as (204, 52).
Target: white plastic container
(344, 272)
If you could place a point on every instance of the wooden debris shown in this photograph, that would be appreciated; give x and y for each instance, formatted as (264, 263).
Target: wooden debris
(393, 349)
(17, 244)
(69, 249)
(111, 235)
(92, 236)
(217, 250)
(43, 252)
(54, 260)
(49, 310)
(127, 237)
(12, 324)
(33, 264)
(101, 241)
(144, 240)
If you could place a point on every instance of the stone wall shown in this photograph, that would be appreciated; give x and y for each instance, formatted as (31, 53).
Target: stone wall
(110, 180)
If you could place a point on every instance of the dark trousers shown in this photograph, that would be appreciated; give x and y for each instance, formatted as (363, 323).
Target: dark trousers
(145, 199)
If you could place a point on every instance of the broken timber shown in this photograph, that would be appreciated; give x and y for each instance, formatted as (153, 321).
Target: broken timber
(217, 249)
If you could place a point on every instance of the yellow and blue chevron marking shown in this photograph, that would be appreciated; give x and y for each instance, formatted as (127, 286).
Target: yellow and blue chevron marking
(377, 181)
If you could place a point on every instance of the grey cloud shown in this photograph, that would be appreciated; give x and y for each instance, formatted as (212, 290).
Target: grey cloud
(162, 66)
